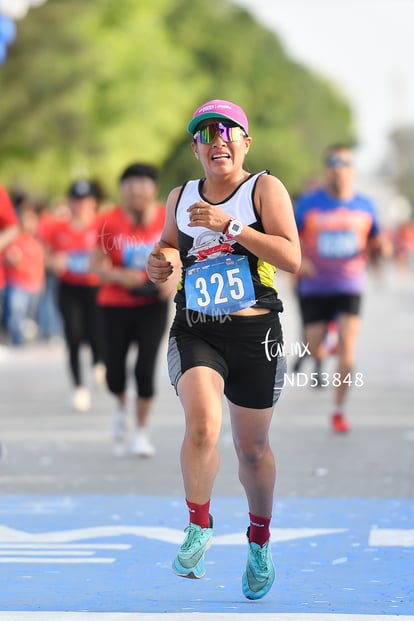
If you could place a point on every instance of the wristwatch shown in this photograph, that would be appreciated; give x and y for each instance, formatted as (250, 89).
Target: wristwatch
(234, 228)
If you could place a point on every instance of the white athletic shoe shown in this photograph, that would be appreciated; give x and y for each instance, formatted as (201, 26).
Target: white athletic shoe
(81, 399)
(141, 445)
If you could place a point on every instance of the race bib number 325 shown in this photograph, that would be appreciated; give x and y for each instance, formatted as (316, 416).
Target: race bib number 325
(219, 286)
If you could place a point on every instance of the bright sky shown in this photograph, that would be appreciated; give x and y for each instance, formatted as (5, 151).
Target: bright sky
(365, 46)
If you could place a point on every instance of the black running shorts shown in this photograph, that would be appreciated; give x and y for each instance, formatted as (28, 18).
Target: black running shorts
(315, 308)
(247, 351)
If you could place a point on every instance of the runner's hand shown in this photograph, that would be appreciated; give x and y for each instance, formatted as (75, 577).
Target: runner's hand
(158, 268)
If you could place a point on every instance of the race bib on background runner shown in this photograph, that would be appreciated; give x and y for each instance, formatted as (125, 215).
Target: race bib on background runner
(78, 262)
(337, 244)
(135, 255)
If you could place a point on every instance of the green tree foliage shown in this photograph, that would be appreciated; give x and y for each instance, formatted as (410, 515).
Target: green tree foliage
(90, 86)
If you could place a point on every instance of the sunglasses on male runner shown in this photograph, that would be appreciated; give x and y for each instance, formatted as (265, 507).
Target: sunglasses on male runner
(228, 132)
(336, 161)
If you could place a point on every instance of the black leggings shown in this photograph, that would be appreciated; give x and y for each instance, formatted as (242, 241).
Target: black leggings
(81, 321)
(123, 326)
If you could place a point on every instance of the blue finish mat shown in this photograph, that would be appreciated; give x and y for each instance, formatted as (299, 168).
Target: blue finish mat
(114, 554)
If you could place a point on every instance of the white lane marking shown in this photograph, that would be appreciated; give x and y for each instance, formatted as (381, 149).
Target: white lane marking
(53, 547)
(49, 559)
(391, 537)
(378, 537)
(44, 552)
(65, 546)
(168, 535)
(47, 552)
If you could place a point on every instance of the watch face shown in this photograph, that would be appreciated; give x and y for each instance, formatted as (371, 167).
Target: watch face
(235, 227)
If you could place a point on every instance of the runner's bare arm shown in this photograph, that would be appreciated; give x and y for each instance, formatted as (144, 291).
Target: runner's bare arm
(164, 260)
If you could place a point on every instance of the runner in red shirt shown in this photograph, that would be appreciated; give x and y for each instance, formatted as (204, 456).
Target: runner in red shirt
(68, 254)
(134, 310)
(49, 319)
(9, 228)
(24, 271)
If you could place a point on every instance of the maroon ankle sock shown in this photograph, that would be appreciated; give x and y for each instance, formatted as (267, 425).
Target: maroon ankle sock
(259, 531)
(199, 514)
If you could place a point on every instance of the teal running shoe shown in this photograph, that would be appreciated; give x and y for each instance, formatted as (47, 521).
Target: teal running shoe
(189, 561)
(260, 572)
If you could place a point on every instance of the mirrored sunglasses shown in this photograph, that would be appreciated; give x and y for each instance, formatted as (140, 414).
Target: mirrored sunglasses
(334, 161)
(228, 132)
